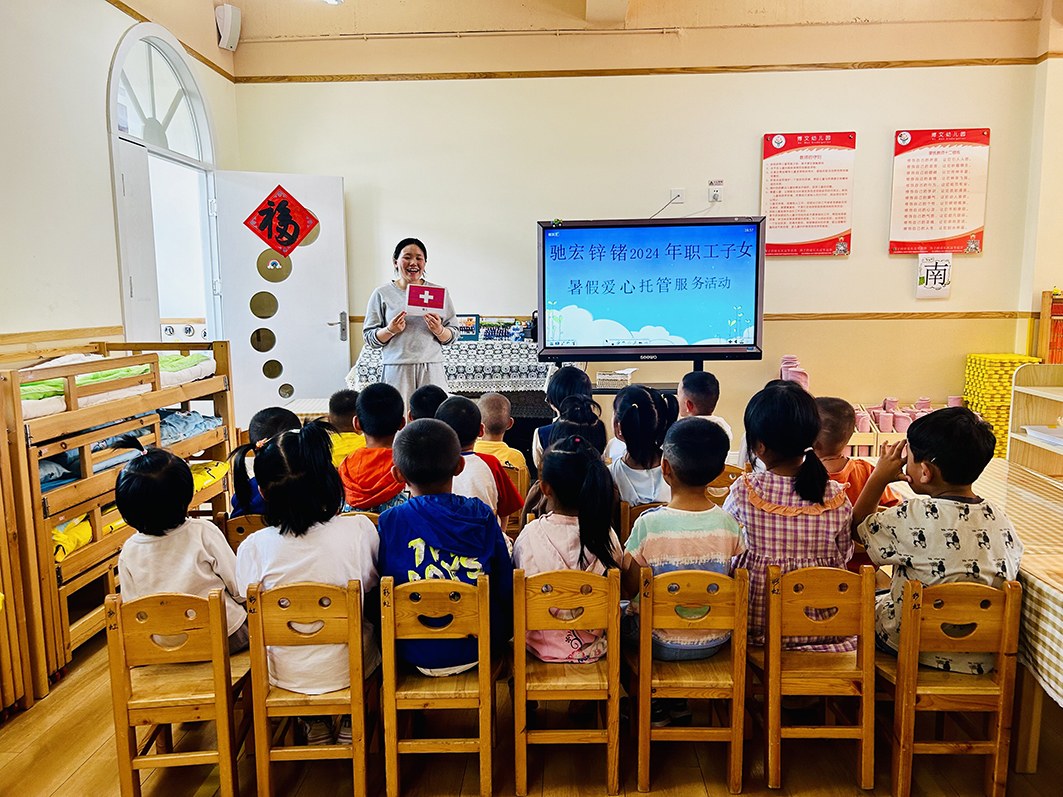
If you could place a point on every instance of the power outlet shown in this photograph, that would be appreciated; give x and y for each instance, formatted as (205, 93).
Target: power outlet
(715, 194)
(677, 196)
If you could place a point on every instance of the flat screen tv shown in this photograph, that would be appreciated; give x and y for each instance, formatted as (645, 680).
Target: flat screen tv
(651, 289)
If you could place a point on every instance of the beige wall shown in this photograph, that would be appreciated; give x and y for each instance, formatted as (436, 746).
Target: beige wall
(59, 263)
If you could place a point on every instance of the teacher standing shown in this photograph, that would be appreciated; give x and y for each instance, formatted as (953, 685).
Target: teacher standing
(412, 345)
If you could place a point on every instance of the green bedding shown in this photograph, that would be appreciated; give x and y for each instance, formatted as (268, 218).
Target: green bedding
(46, 388)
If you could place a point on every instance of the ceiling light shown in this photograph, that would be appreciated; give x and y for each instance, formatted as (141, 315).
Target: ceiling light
(333, 2)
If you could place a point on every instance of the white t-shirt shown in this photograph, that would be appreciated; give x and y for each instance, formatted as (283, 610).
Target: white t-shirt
(193, 558)
(639, 486)
(333, 552)
(477, 481)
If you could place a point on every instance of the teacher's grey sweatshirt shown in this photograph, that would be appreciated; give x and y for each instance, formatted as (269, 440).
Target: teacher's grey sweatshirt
(415, 344)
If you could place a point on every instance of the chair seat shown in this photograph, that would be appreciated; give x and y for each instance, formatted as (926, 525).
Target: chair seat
(411, 684)
(939, 682)
(545, 675)
(714, 671)
(158, 685)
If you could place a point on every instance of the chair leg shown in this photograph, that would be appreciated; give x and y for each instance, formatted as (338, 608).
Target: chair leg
(734, 763)
(867, 737)
(612, 743)
(263, 740)
(996, 771)
(164, 741)
(486, 732)
(391, 751)
(520, 742)
(903, 743)
(128, 778)
(643, 713)
(773, 740)
(228, 783)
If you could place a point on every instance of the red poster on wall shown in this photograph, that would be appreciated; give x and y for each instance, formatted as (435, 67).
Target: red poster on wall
(281, 221)
(806, 193)
(939, 190)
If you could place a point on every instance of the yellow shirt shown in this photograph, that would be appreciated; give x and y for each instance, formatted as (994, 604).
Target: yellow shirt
(343, 443)
(504, 454)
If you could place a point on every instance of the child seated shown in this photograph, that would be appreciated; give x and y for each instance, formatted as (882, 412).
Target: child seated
(267, 423)
(793, 516)
(573, 535)
(425, 400)
(483, 476)
(308, 540)
(641, 417)
(837, 421)
(341, 409)
(368, 483)
(691, 533)
(172, 552)
(437, 534)
(567, 381)
(947, 533)
(497, 420)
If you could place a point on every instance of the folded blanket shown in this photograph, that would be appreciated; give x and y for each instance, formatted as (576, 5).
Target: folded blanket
(205, 474)
(177, 425)
(77, 533)
(168, 363)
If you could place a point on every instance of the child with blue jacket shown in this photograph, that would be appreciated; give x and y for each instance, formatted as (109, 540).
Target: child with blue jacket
(437, 534)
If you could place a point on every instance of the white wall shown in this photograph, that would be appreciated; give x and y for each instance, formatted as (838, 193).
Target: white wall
(59, 258)
(469, 166)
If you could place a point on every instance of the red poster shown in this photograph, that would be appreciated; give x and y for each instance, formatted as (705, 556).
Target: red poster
(806, 193)
(280, 221)
(939, 190)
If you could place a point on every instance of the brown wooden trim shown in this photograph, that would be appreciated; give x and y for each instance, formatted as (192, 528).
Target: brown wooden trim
(982, 315)
(48, 335)
(624, 72)
(132, 12)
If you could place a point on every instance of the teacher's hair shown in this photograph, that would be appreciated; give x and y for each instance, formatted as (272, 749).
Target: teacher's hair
(406, 242)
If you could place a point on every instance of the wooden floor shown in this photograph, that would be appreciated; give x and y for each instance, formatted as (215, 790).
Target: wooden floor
(65, 746)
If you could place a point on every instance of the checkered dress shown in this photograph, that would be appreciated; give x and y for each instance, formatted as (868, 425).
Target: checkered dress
(784, 529)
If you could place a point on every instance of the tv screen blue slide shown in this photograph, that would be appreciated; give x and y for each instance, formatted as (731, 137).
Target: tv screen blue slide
(651, 289)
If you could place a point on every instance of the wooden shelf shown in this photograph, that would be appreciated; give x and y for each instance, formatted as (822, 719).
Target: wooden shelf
(1036, 400)
(1050, 393)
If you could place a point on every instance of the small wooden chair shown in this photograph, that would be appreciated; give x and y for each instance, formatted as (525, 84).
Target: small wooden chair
(989, 620)
(437, 609)
(374, 517)
(718, 489)
(238, 529)
(629, 513)
(819, 602)
(713, 603)
(599, 599)
(276, 618)
(521, 480)
(169, 662)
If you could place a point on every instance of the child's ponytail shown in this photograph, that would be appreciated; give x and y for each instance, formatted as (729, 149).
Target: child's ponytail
(298, 481)
(264, 424)
(635, 411)
(579, 480)
(811, 480)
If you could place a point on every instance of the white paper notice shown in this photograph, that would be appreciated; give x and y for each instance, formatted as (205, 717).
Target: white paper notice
(935, 276)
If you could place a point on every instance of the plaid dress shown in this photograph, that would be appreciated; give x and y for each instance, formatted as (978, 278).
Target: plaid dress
(784, 529)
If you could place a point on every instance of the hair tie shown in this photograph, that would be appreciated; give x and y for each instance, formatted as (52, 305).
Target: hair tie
(808, 450)
(261, 444)
(578, 439)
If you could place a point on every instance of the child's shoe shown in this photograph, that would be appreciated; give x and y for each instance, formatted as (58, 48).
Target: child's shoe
(659, 714)
(316, 730)
(343, 731)
(679, 712)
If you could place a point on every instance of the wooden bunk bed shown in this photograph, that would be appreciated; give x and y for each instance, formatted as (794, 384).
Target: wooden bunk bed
(62, 595)
(14, 654)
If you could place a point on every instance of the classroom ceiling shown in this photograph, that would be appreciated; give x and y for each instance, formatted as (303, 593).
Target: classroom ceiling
(266, 20)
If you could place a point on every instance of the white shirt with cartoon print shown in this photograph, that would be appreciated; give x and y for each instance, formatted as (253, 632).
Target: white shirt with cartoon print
(938, 541)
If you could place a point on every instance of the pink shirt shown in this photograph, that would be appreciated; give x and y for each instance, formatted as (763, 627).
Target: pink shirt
(551, 542)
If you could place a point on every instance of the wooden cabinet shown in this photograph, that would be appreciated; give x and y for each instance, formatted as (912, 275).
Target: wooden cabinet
(1036, 400)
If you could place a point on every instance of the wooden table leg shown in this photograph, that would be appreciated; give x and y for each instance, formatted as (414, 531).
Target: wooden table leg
(1028, 731)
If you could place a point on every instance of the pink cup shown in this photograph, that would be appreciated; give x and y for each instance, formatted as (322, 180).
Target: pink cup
(923, 403)
(863, 423)
(889, 403)
(884, 420)
(901, 422)
(955, 401)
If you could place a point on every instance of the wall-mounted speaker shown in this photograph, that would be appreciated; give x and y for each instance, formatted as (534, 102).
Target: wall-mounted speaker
(228, 18)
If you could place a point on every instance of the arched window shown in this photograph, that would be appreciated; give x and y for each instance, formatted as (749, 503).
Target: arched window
(162, 154)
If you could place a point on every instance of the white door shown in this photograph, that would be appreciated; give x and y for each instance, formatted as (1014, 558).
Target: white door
(140, 289)
(285, 316)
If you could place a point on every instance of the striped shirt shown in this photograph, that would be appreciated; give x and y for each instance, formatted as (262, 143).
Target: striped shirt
(667, 539)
